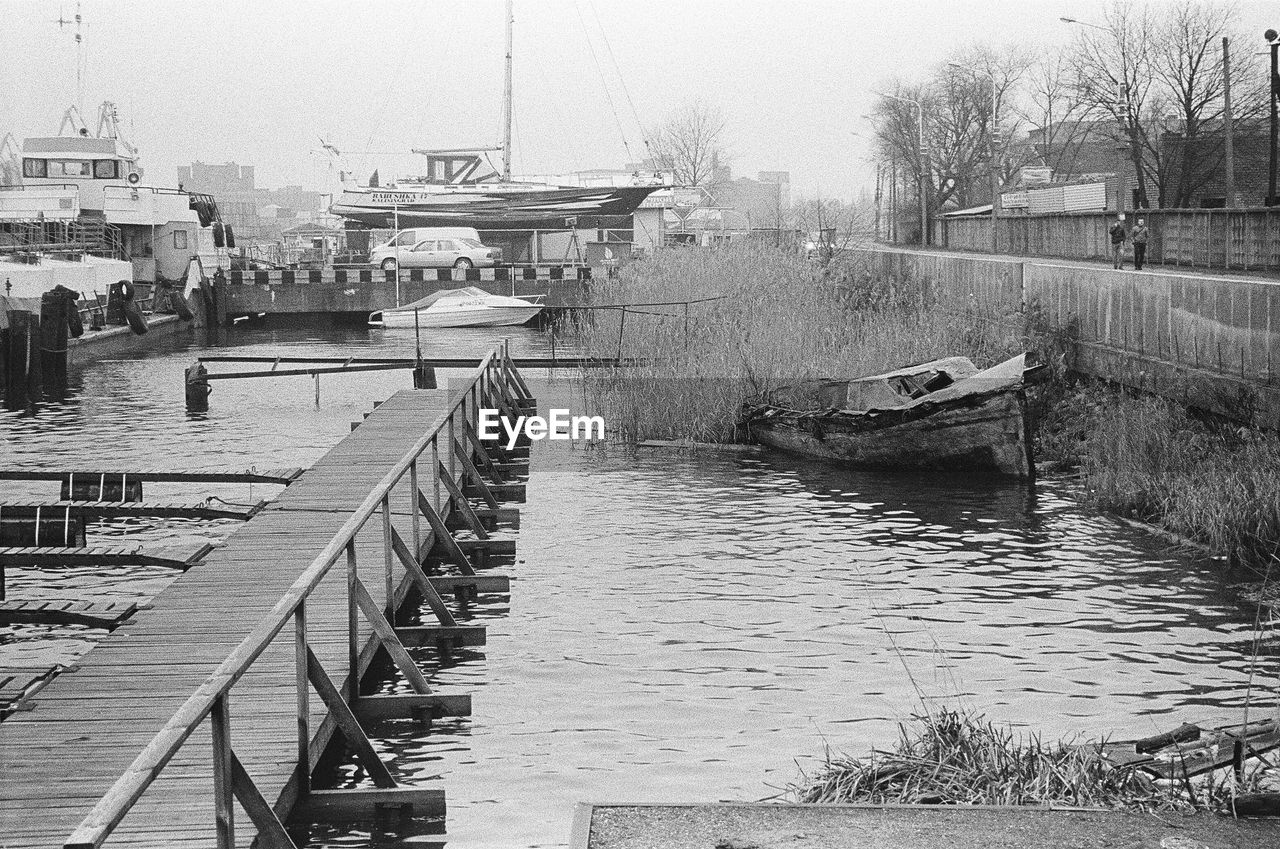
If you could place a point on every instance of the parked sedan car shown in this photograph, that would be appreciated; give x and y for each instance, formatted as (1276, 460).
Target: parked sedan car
(443, 253)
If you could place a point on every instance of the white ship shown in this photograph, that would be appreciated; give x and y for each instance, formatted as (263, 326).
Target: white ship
(80, 210)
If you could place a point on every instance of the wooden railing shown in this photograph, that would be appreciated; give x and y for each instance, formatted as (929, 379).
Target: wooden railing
(494, 384)
(1239, 239)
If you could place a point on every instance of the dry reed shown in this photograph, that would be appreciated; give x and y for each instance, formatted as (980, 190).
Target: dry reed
(779, 320)
(956, 757)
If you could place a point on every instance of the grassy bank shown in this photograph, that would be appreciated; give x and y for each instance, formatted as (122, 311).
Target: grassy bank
(778, 319)
(1151, 460)
(957, 757)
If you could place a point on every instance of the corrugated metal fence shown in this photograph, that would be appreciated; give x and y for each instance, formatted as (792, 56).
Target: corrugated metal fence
(1242, 239)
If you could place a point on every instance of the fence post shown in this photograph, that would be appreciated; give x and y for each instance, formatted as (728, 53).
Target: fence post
(435, 476)
(452, 470)
(223, 801)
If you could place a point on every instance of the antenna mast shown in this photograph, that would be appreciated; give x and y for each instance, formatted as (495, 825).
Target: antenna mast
(506, 104)
(78, 21)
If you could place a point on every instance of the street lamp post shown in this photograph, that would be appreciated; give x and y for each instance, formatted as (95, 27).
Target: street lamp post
(1273, 41)
(995, 174)
(923, 167)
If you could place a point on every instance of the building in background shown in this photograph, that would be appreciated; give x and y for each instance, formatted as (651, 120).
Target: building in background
(1195, 168)
(258, 215)
(765, 201)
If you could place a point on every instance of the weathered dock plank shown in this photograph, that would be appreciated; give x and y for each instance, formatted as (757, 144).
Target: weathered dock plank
(281, 477)
(94, 511)
(86, 727)
(104, 555)
(95, 614)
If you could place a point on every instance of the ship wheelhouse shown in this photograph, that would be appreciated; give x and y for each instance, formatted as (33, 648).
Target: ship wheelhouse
(83, 194)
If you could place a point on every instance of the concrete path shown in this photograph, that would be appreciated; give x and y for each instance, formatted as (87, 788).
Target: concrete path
(755, 826)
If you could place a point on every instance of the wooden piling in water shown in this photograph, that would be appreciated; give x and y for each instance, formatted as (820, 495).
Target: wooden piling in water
(22, 364)
(59, 321)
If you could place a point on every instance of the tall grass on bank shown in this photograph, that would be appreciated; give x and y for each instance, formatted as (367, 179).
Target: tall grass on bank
(959, 757)
(1148, 459)
(780, 320)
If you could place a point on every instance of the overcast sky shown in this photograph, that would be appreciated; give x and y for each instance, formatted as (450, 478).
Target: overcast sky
(261, 82)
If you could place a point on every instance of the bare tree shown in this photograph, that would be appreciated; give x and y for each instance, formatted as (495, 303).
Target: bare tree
(836, 224)
(956, 162)
(1062, 122)
(690, 144)
(1156, 69)
(1187, 62)
(1114, 75)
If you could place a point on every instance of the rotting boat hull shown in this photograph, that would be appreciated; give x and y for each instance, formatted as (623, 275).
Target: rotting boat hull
(978, 434)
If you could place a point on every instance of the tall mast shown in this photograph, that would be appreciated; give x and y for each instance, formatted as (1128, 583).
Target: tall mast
(506, 104)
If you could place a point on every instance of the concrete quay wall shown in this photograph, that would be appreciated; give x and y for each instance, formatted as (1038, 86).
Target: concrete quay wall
(1206, 341)
(366, 290)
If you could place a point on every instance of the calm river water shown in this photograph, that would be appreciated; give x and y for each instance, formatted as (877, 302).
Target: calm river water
(684, 628)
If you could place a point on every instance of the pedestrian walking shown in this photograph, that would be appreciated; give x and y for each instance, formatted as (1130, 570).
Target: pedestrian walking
(1118, 237)
(1140, 236)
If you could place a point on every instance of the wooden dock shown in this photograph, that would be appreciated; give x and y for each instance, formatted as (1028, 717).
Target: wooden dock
(202, 702)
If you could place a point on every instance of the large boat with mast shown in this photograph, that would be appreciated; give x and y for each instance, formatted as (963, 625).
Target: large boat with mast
(461, 188)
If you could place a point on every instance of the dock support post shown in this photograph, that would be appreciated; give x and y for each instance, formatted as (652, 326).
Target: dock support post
(452, 442)
(416, 525)
(353, 625)
(304, 707)
(224, 810)
(386, 556)
(435, 464)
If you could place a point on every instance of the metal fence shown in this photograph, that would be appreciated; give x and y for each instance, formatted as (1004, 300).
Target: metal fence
(1241, 239)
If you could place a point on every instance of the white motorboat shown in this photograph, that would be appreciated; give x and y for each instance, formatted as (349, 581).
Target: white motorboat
(466, 307)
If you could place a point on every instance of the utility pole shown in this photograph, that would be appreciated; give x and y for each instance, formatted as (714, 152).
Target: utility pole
(922, 159)
(992, 133)
(893, 198)
(1228, 126)
(879, 195)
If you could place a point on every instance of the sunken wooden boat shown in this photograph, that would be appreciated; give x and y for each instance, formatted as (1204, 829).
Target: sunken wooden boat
(943, 415)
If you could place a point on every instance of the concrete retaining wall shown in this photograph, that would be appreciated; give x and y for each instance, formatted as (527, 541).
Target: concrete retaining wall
(1209, 342)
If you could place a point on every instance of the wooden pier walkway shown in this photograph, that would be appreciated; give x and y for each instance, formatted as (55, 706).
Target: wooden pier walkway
(196, 702)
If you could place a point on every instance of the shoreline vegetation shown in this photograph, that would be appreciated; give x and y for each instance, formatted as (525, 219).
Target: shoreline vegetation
(959, 757)
(782, 319)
